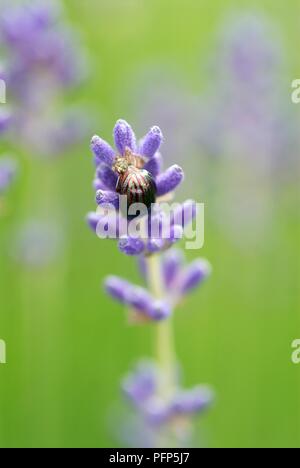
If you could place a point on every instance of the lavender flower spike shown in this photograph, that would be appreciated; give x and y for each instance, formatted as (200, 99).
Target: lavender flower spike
(164, 409)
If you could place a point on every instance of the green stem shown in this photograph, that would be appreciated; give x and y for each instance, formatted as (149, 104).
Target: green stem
(165, 348)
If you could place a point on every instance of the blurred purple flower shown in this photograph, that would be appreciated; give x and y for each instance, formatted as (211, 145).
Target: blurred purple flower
(42, 57)
(142, 388)
(8, 170)
(179, 280)
(245, 114)
(37, 243)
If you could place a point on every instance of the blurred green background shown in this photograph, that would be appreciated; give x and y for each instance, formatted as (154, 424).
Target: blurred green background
(67, 343)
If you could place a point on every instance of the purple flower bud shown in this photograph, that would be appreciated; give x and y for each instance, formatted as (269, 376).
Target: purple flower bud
(93, 219)
(155, 245)
(98, 184)
(157, 412)
(141, 384)
(169, 180)
(184, 213)
(193, 275)
(131, 246)
(172, 262)
(160, 310)
(154, 165)
(107, 198)
(117, 288)
(107, 176)
(151, 142)
(8, 169)
(102, 150)
(192, 401)
(176, 233)
(140, 299)
(124, 137)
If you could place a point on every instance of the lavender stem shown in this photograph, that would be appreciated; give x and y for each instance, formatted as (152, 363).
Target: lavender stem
(165, 348)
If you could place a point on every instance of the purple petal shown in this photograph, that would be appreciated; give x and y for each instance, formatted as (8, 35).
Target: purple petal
(160, 310)
(151, 142)
(185, 213)
(140, 299)
(141, 384)
(171, 264)
(154, 165)
(124, 137)
(176, 233)
(169, 180)
(155, 245)
(93, 219)
(192, 401)
(131, 246)
(117, 288)
(98, 184)
(104, 198)
(194, 274)
(108, 177)
(102, 150)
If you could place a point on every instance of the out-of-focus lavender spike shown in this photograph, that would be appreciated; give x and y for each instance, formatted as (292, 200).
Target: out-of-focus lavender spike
(151, 142)
(102, 150)
(193, 275)
(131, 246)
(154, 165)
(107, 176)
(104, 198)
(117, 288)
(171, 264)
(169, 180)
(124, 137)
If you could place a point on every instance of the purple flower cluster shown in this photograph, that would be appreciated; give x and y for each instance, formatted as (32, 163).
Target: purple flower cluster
(178, 281)
(37, 44)
(245, 113)
(141, 387)
(8, 170)
(41, 59)
(150, 160)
